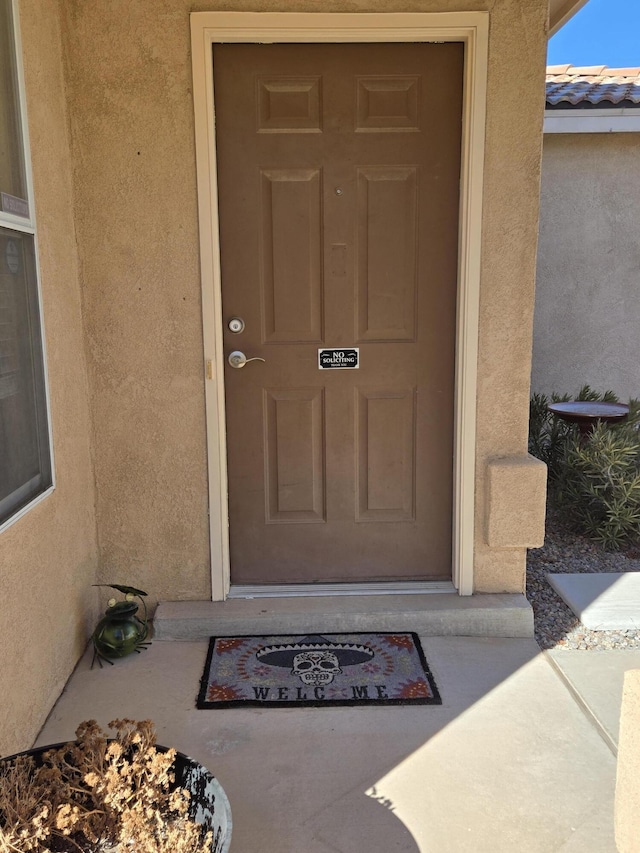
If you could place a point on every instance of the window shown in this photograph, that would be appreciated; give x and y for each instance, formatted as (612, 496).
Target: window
(25, 457)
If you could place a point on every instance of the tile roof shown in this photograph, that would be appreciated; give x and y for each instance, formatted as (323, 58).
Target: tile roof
(592, 83)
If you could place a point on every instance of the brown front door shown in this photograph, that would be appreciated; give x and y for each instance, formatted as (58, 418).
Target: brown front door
(338, 171)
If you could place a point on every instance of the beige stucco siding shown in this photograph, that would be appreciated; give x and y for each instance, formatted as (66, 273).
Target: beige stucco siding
(48, 558)
(512, 176)
(588, 286)
(132, 129)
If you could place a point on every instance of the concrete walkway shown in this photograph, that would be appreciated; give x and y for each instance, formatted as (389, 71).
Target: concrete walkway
(518, 757)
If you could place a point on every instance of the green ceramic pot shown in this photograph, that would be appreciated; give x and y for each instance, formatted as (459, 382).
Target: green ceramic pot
(120, 632)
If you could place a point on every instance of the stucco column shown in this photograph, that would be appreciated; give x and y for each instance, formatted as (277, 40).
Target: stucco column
(627, 804)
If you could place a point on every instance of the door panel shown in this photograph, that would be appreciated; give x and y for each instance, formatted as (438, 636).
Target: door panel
(338, 172)
(387, 220)
(291, 232)
(385, 447)
(294, 442)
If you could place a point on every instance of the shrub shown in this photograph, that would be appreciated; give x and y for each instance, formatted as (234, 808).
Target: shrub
(595, 485)
(547, 433)
(598, 485)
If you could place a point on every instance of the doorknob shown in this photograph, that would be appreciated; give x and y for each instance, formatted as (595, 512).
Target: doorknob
(238, 359)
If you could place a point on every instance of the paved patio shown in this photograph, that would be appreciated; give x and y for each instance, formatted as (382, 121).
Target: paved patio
(515, 759)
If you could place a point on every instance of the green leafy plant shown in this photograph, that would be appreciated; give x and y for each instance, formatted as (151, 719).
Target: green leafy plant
(599, 485)
(548, 435)
(595, 484)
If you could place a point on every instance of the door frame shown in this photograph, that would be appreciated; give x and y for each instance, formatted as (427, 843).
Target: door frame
(471, 28)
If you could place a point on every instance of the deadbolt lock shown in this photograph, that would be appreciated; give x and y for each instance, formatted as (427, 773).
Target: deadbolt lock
(236, 325)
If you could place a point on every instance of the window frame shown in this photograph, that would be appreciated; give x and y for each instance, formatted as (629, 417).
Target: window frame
(27, 226)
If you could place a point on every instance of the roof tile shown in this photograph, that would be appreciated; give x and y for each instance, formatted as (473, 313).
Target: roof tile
(593, 83)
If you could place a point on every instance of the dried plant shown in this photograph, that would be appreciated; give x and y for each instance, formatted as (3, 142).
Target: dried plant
(97, 795)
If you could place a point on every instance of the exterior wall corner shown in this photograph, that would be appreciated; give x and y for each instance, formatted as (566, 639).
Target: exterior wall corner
(627, 802)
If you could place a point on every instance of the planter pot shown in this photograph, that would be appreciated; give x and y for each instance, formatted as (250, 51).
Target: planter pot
(208, 804)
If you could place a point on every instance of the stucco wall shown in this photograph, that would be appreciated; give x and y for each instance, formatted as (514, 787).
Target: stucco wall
(512, 184)
(129, 75)
(132, 127)
(48, 558)
(588, 284)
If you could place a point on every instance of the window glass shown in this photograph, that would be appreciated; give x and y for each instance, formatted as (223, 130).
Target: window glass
(12, 174)
(25, 468)
(25, 452)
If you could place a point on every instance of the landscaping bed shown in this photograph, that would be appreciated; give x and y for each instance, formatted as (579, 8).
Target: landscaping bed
(556, 626)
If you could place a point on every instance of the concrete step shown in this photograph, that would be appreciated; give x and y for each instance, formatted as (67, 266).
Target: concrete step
(445, 614)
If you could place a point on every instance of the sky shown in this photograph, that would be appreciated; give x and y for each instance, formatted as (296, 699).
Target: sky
(604, 32)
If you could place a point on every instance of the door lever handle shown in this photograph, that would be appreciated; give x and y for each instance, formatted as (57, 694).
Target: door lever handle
(238, 359)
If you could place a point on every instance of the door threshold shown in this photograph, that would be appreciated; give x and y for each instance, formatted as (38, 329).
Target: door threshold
(302, 590)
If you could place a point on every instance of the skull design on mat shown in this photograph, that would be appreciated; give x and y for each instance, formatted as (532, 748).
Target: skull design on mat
(316, 667)
(315, 659)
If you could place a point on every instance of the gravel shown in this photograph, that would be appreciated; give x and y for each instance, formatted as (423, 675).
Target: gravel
(556, 626)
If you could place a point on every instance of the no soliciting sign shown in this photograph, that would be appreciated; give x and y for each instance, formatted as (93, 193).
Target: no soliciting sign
(338, 359)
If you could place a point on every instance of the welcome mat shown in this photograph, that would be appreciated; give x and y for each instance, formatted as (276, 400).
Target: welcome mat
(316, 670)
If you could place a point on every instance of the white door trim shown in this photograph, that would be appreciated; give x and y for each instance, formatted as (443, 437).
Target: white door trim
(471, 28)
